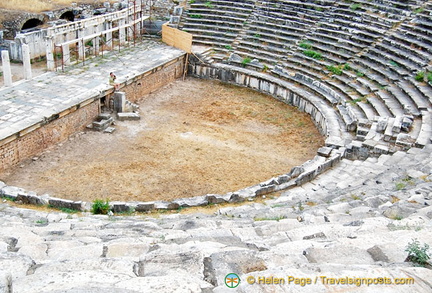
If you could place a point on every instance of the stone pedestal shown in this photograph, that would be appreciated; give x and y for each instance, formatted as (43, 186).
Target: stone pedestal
(119, 102)
(50, 55)
(66, 55)
(7, 74)
(26, 62)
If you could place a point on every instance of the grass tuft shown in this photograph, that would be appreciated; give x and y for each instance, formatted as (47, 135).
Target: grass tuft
(100, 207)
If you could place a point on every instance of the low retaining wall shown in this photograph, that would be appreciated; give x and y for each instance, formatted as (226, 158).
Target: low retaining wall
(296, 177)
(57, 128)
(136, 87)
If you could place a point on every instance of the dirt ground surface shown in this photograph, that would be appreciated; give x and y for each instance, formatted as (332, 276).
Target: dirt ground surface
(195, 137)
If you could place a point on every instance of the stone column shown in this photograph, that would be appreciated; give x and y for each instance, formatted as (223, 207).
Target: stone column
(96, 41)
(49, 54)
(80, 46)
(108, 36)
(7, 74)
(122, 32)
(66, 54)
(26, 62)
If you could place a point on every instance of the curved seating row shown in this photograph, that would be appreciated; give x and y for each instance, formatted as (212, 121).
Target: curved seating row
(362, 57)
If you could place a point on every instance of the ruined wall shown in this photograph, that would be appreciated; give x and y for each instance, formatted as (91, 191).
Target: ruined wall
(152, 80)
(23, 146)
(12, 21)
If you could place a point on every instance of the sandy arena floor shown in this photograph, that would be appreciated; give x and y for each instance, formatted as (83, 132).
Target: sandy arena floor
(195, 137)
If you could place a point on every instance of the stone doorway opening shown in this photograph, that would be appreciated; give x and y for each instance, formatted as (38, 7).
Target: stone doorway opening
(31, 24)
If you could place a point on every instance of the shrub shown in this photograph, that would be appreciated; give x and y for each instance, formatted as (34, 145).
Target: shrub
(347, 66)
(400, 186)
(393, 63)
(355, 6)
(246, 61)
(196, 16)
(420, 76)
(335, 69)
(429, 77)
(208, 4)
(359, 74)
(100, 207)
(305, 45)
(228, 47)
(358, 100)
(417, 254)
(312, 54)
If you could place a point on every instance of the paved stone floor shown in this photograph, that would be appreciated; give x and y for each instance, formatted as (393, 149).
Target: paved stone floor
(29, 102)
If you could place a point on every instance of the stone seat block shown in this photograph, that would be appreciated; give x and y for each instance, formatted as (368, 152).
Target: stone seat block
(425, 134)
(128, 116)
(422, 102)
(103, 124)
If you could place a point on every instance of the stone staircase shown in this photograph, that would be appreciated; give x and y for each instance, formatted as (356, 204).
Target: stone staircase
(103, 123)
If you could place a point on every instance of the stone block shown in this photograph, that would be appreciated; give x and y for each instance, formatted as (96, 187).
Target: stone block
(64, 203)
(31, 198)
(215, 199)
(102, 124)
(11, 192)
(144, 207)
(5, 282)
(120, 207)
(128, 116)
(126, 249)
(315, 236)
(16, 264)
(324, 151)
(104, 116)
(192, 201)
(399, 210)
(119, 101)
(235, 197)
(239, 261)
(377, 254)
(109, 130)
(165, 205)
(340, 255)
(283, 179)
(265, 190)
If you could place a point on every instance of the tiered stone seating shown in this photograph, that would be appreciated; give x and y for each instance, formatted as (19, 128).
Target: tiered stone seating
(216, 23)
(383, 43)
